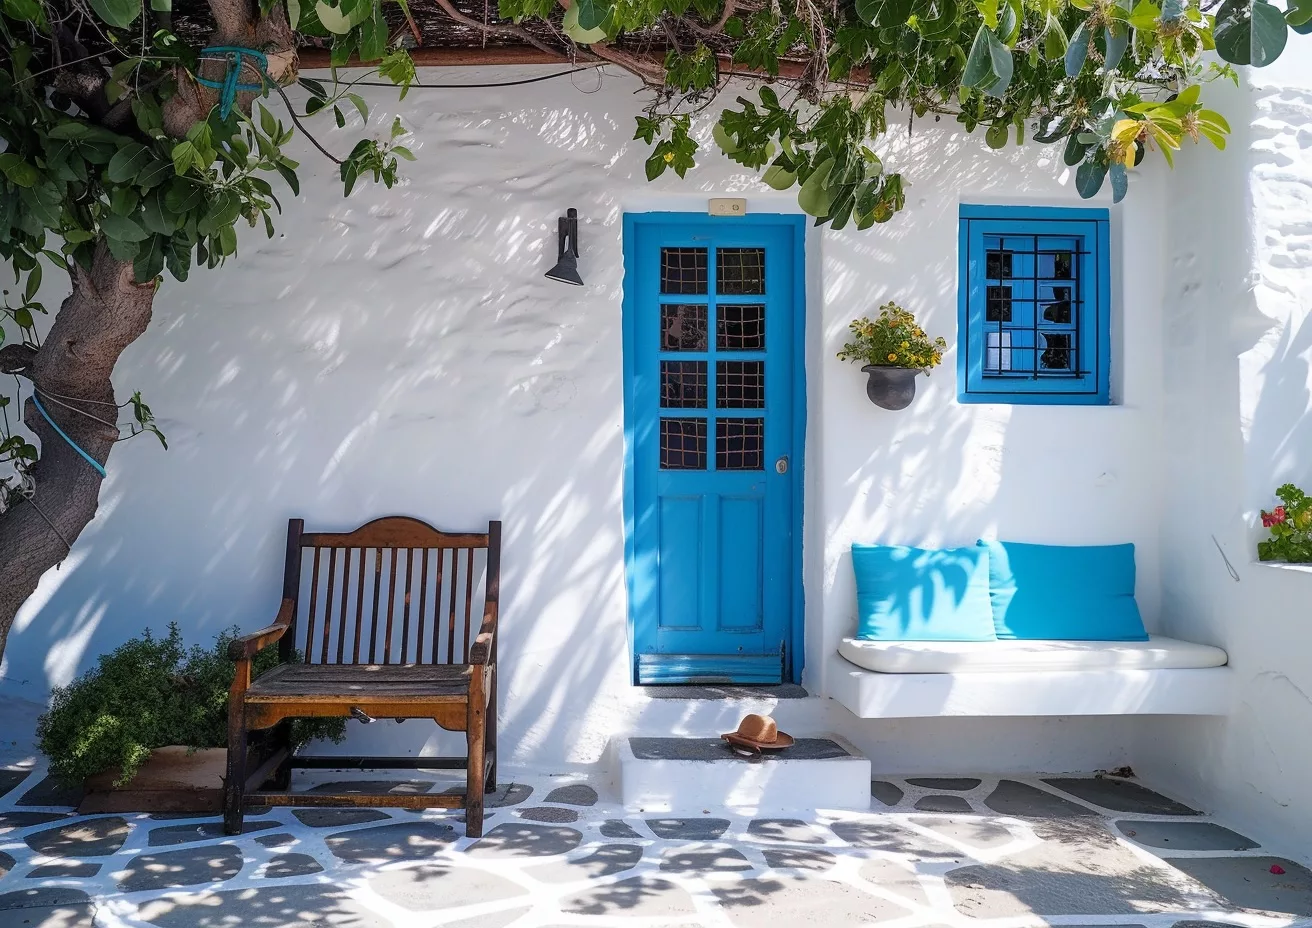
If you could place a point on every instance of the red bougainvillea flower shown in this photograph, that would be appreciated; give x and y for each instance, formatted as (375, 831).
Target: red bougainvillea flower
(1277, 869)
(1278, 514)
(1266, 519)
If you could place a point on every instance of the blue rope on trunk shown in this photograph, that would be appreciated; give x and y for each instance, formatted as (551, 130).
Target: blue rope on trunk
(62, 434)
(230, 86)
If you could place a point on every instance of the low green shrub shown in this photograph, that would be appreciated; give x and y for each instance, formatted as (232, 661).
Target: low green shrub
(148, 693)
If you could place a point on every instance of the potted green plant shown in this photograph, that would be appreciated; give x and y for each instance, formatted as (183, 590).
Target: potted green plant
(1291, 528)
(893, 349)
(146, 729)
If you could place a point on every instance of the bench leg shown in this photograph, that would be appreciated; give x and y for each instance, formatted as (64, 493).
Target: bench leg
(234, 787)
(282, 738)
(491, 744)
(476, 735)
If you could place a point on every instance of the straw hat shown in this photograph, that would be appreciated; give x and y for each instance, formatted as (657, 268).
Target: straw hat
(758, 733)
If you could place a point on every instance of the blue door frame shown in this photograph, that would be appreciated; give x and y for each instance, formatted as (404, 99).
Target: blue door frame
(700, 609)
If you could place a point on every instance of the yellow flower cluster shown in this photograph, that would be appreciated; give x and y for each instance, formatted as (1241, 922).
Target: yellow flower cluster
(892, 338)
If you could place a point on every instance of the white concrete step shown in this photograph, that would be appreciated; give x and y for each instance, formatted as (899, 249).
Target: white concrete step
(691, 774)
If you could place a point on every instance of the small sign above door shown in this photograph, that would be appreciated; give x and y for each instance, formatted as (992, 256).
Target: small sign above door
(727, 206)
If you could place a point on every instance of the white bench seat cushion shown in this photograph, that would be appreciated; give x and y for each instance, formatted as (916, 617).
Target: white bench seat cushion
(1021, 656)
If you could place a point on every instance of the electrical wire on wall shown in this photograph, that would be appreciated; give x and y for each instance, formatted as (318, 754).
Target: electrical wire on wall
(527, 80)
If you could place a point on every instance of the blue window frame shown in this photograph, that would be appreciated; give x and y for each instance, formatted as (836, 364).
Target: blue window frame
(1035, 306)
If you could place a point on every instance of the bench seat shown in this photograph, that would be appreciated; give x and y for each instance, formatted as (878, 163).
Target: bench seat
(1029, 678)
(1027, 656)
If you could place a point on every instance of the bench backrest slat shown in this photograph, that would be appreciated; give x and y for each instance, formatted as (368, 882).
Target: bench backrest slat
(375, 569)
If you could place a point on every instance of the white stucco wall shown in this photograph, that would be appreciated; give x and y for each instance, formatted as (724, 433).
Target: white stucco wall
(1237, 338)
(400, 352)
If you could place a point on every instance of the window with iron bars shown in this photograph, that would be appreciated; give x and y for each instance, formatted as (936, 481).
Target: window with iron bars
(1035, 306)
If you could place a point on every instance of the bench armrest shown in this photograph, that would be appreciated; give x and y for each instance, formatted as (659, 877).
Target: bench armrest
(247, 646)
(480, 652)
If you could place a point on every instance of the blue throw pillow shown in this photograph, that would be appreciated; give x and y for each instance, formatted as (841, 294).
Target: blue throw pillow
(1076, 593)
(917, 594)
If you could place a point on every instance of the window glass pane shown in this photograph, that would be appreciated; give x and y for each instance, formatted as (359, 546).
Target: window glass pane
(741, 328)
(683, 327)
(997, 264)
(999, 305)
(683, 444)
(997, 358)
(739, 270)
(683, 384)
(740, 384)
(1057, 355)
(683, 270)
(740, 444)
(1057, 305)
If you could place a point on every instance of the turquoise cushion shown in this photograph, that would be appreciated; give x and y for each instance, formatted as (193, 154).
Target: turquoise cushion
(1076, 593)
(916, 594)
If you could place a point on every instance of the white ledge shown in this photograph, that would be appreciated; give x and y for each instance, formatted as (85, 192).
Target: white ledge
(1284, 565)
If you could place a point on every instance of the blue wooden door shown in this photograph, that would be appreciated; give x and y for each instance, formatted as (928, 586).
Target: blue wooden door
(713, 406)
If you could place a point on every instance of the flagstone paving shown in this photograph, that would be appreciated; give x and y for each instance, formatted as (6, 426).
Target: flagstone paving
(560, 853)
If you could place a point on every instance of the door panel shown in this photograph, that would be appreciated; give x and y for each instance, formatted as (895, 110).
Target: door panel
(712, 382)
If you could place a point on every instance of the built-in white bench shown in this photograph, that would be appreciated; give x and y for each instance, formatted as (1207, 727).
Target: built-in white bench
(911, 679)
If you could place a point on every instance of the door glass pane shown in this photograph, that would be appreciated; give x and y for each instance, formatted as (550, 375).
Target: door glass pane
(739, 270)
(741, 328)
(740, 384)
(683, 270)
(683, 384)
(683, 327)
(683, 444)
(740, 444)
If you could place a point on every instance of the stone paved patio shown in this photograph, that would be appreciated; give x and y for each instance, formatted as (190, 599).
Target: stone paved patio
(930, 852)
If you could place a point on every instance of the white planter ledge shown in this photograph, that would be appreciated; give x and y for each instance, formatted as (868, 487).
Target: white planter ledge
(1028, 679)
(1282, 565)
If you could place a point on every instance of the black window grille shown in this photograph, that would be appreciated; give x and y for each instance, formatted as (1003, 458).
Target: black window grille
(1033, 321)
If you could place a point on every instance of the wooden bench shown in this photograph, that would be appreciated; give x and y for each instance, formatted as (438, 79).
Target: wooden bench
(389, 629)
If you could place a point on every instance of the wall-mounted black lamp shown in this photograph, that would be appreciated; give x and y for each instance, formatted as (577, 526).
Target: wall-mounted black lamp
(567, 259)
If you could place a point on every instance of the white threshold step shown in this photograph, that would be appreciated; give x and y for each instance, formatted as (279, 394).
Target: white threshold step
(664, 774)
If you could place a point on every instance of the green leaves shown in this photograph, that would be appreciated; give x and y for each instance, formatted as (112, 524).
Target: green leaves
(18, 171)
(1089, 177)
(592, 13)
(675, 152)
(989, 65)
(117, 13)
(128, 162)
(1116, 39)
(816, 197)
(1077, 51)
(122, 228)
(884, 13)
(1250, 32)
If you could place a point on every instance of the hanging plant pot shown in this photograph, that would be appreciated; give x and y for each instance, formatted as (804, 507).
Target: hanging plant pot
(891, 387)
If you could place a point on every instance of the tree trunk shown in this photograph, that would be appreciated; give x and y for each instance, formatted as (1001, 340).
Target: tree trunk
(106, 312)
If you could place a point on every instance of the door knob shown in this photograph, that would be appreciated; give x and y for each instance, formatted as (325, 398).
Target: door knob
(781, 465)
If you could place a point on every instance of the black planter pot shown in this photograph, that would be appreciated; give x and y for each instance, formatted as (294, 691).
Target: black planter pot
(891, 387)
